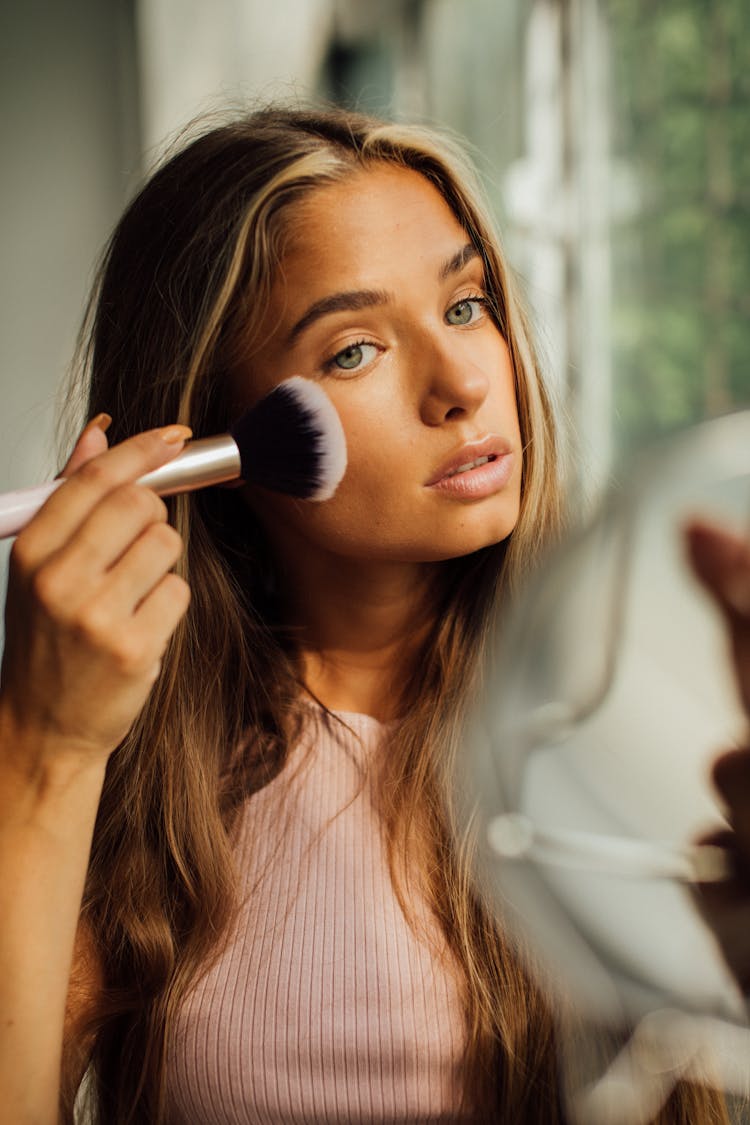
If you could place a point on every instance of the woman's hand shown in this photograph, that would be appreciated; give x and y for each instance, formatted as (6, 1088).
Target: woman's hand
(91, 606)
(91, 602)
(722, 563)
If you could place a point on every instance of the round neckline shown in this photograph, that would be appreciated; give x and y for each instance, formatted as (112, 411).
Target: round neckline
(361, 717)
(349, 717)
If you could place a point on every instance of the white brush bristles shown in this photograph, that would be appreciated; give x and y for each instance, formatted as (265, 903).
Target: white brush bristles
(332, 442)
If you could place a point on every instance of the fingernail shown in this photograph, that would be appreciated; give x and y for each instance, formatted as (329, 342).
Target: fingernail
(172, 435)
(100, 422)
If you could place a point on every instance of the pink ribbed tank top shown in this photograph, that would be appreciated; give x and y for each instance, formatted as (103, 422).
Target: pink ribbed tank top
(324, 1006)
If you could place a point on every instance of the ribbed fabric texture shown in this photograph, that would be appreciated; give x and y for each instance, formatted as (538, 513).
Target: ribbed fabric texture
(325, 1006)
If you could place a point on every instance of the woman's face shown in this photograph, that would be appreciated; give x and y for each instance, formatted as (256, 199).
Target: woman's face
(380, 297)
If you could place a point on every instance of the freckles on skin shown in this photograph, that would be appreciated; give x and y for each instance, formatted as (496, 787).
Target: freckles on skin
(380, 272)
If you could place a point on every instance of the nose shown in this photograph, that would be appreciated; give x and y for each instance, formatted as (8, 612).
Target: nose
(455, 386)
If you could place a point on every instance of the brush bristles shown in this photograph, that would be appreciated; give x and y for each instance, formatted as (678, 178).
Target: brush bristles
(292, 441)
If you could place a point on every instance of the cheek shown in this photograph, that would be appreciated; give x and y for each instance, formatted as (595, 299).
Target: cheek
(378, 497)
(379, 430)
(505, 384)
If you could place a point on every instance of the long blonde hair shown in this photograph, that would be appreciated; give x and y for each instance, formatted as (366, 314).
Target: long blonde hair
(174, 315)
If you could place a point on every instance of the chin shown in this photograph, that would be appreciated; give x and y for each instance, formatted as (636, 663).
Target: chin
(474, 549)
(489, 534)
(462, 546)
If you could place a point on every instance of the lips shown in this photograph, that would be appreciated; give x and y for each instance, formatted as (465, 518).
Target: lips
(465, 458)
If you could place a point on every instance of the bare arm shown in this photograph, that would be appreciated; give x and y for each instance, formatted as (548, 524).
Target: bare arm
(91, 606)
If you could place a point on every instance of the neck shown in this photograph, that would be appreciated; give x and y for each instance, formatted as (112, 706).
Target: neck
(360, 628)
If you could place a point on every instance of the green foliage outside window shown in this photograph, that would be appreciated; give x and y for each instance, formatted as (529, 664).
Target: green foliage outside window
(681, 266)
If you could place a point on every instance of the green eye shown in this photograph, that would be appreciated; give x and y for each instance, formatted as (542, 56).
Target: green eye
(349, 358)
(463, 312)
(353, 357)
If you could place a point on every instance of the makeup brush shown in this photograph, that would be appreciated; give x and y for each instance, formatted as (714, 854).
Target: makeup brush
(291, 441)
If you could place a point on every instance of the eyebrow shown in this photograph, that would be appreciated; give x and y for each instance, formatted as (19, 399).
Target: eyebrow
(339, 302)
(356, 299)
(455, 264)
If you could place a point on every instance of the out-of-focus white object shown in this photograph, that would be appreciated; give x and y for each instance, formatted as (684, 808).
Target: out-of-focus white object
(608, 689)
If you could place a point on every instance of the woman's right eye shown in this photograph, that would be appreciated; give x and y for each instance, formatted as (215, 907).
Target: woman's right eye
(352, 357)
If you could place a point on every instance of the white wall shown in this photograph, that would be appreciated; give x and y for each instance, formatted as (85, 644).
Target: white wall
(196, 57)
(68, 144)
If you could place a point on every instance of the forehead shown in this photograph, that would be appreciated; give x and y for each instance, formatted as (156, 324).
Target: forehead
(375, 219)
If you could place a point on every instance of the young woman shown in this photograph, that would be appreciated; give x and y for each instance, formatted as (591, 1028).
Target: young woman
(231, 883)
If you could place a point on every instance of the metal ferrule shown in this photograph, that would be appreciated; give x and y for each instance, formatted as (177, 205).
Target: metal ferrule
(202, 462)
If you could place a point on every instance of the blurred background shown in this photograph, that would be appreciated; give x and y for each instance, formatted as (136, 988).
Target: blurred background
(613, 137)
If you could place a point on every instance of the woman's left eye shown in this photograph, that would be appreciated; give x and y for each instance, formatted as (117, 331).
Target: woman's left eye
(466, 311)
(352, 357)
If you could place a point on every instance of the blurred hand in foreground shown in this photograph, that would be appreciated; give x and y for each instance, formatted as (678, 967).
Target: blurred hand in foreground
(721, 562)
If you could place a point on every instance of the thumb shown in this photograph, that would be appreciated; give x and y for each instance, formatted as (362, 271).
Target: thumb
(93, 441)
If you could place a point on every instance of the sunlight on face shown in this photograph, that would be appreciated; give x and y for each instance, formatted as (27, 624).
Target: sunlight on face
(380, 297)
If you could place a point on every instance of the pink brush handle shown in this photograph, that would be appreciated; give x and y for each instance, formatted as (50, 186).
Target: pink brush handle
(17, 508)
(212, 460)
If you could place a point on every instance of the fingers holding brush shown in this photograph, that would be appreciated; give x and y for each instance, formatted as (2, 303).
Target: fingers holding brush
(94, 480)
(92, 602)
(87, 576)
